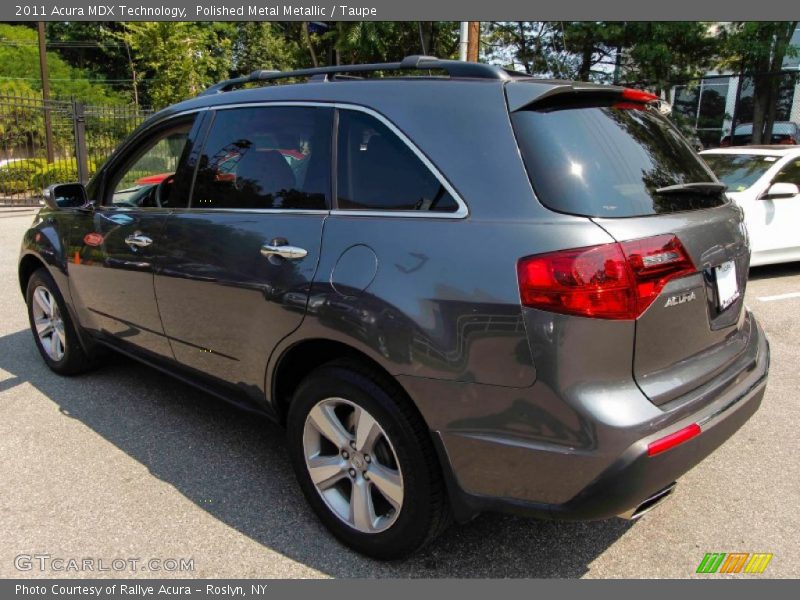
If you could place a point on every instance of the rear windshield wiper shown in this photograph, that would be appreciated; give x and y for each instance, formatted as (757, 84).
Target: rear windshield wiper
(702, 187)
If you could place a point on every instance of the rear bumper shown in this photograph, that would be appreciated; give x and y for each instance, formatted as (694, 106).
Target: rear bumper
(635, 476)
(627, 477)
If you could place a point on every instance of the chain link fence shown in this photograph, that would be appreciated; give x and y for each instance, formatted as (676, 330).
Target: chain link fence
(58, 141)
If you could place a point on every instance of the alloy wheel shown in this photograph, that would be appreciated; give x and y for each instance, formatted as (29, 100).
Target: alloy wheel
(48, 323)
(353, 465)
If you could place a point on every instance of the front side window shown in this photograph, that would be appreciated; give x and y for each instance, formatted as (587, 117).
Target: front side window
(266, 158)
(378, 171)
(790, 173)
(155, 176)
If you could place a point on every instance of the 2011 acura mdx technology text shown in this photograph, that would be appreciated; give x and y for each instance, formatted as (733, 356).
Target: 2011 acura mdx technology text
(461, 291)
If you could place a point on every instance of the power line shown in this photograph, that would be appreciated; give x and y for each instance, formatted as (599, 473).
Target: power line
(63, 45)
(75, 79)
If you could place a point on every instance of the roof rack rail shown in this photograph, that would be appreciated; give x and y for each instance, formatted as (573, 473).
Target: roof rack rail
(454, 68)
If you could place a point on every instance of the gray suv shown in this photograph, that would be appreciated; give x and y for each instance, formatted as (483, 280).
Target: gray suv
(462, 290)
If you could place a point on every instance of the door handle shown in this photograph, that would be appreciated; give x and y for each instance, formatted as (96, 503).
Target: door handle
(139, 240)
(283, 250)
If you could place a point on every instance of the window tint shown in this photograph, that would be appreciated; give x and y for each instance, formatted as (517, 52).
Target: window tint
(378, 171)
(266, 157)
(603, 159)
(789, 173)
(156, 175)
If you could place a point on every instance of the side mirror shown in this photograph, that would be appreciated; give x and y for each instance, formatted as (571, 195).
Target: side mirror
(781, 190)
(66, 195)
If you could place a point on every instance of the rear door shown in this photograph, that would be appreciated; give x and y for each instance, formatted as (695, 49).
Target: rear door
(238, 262)
(618, 162)
(115, 248)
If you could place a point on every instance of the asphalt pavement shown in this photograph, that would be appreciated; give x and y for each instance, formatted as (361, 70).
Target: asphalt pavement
(126, 463)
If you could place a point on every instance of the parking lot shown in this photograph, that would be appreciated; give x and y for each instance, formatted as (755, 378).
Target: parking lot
(126, 462)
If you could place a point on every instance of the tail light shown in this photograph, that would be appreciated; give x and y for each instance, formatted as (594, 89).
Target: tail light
(726, 141)
(788, 141)
(609, 281)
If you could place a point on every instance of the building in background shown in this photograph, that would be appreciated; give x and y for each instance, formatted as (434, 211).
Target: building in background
(709, 105)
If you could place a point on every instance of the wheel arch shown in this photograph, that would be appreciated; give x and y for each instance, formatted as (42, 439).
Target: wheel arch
(304, 356)
(28, 264)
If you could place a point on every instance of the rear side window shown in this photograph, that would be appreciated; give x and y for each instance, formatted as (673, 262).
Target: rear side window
(605, 159)
(266, 158)
(378, 171)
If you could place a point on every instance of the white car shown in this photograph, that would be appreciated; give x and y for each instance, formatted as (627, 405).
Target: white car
(765, 182)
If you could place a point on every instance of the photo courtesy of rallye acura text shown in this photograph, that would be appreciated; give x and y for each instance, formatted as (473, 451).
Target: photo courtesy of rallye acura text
(461, 291)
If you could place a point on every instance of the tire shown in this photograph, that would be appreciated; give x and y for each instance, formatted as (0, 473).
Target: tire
(68, 357)
(349, 392)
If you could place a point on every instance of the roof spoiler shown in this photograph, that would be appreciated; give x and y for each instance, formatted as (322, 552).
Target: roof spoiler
(530, 95)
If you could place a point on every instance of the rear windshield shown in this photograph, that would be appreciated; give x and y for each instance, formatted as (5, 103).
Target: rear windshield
(739, 171)
(603, 159)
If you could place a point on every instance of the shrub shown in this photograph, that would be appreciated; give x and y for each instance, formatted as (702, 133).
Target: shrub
(16, 176)
(61, 171)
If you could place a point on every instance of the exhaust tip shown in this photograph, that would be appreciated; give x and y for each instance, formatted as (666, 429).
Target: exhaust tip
(650, 503)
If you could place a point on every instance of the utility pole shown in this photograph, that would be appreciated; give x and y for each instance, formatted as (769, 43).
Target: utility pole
(463, 41)
(473, 39)
(48, 125)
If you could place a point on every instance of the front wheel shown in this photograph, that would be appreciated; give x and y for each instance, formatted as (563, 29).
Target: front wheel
(53, 330)
(365, 461)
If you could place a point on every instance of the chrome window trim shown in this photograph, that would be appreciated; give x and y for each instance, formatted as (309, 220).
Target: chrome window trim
(277, 211)
(461, 213)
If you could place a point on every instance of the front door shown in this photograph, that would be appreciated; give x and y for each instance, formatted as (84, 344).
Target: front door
(787, 210)
(237, 263)
(774, 223)
(114, 248)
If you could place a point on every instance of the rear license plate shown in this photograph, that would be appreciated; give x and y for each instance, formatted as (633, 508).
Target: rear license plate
(727, 286)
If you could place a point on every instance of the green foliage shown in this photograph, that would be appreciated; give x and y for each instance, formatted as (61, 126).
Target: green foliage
(654, 52)
(757, 45)
(529, 46)
(16, 176)
(386, 41)
(60, 171)
(265, 45)
(19, 70)
(179, 59)
(760, 48)
(663, 52)
(35, 174)
(22, 121)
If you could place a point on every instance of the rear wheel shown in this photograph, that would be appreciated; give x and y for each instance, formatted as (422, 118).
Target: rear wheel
(53, 329)
(365, 461)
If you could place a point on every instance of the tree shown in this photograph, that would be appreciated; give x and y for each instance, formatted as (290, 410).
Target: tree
(760, 48)
(594, 44)
(657, 53)
(528, 44)
(19, 62)
(660, 53)
(265, 45)
(179, 59)
(91, 46)
(387, 41)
